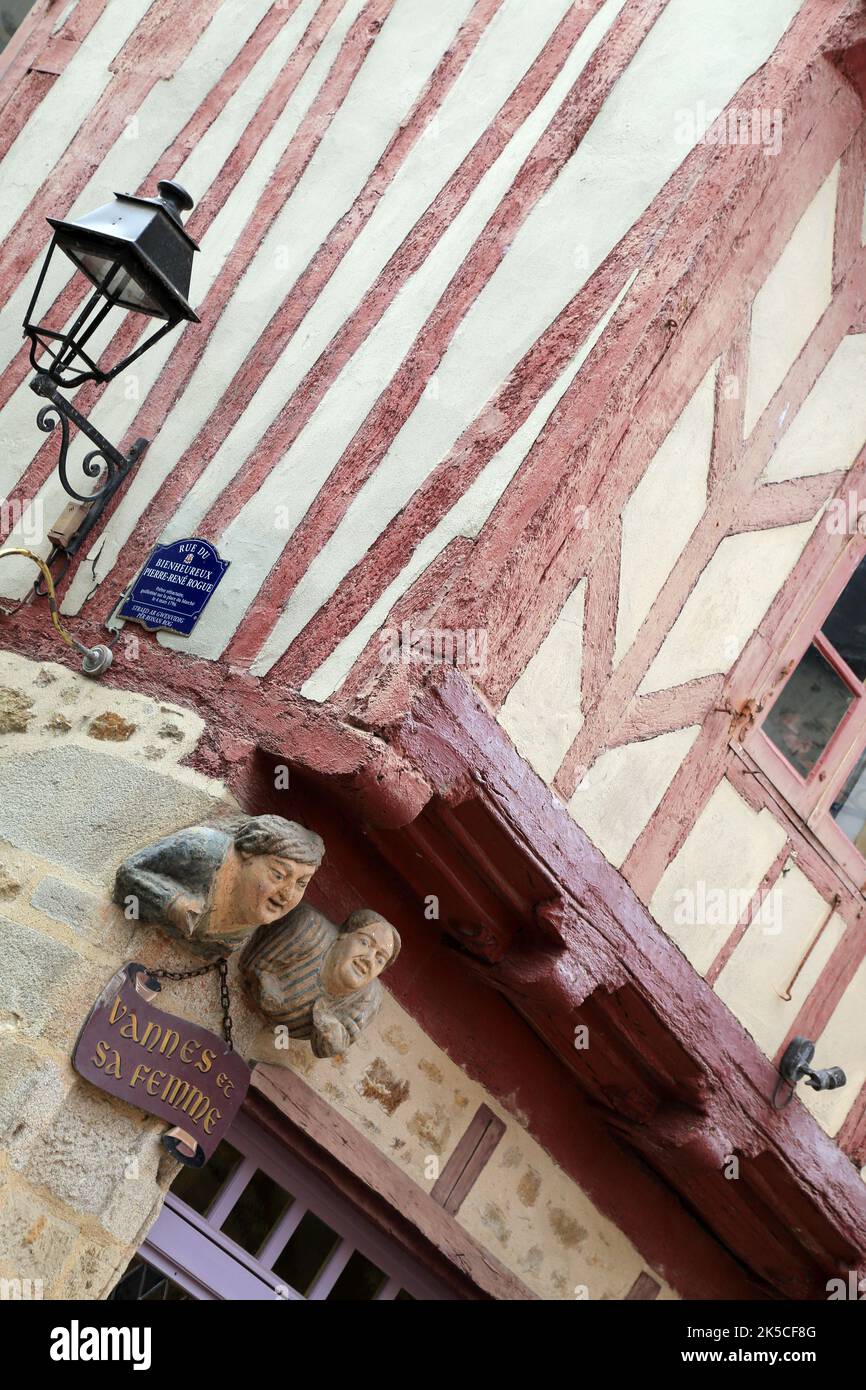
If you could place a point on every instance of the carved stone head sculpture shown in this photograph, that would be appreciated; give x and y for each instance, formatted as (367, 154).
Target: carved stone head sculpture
(211, 885)
(317, 979)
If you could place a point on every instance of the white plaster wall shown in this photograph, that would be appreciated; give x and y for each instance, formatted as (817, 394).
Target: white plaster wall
(791, 300)
(469, 373)
(829, 429)
(730, 848)
(624, 786)
(542, 713)
(726, 605)
(770, 952)
(160, 118)
(663, 511)
(389, 81)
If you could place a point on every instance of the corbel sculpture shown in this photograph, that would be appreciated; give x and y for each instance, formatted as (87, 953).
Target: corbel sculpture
(319, 980)
(212, 885)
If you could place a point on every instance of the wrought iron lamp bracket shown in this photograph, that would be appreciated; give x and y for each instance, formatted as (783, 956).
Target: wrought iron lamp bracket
(102, 461)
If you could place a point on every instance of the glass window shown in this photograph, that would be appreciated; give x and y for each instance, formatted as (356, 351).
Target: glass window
(845, 625)
(256, 1212)
(141, 1283)
(849, 809)
(808, 711)
(298, 1237)
(12, 12)
(817, 722)
(199, 1187)
(359, 1282)
(306, 1254)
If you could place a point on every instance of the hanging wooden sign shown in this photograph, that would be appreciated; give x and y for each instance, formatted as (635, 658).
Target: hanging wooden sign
(162, 1064)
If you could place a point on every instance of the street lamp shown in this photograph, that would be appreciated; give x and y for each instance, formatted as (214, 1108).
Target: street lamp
(137, 256)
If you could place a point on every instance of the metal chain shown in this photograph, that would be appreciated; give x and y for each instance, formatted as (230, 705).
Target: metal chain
(222, 966)
(222, 963)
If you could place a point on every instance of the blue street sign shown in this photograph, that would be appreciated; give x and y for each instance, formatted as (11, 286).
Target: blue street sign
(172, 589)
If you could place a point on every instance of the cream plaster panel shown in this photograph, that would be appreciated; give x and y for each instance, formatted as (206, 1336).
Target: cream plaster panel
(791, 300)
(128, 163)
(842, 1044)
(829, 429)
(410, 1100)
(663, 511)
(542, 713)
(729, 850)
(228, 343)
(727, 604)
(392, 77)
(769, 954)
(624, 786)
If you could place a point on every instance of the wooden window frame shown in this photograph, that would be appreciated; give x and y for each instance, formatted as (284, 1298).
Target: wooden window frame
(194, 1251)
(812, 797)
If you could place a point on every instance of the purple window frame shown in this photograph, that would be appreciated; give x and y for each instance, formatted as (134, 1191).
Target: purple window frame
(193, 1251)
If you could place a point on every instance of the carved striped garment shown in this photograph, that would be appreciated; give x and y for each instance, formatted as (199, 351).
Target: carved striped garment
(281, 967)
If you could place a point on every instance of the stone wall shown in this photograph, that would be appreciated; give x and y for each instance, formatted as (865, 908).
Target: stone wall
(87, 774)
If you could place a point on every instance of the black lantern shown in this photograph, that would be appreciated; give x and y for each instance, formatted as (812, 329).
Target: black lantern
(137, 257)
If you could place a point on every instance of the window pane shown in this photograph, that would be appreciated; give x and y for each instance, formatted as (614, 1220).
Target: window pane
(306, 1254)
(849, 811)
(846, 625)
(359, 1282)
(198, 1187)
(256, 1212)
(808, 711)
(11, 14)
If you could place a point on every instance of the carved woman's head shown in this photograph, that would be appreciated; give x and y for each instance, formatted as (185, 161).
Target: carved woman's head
(367, 944)
(277, 858)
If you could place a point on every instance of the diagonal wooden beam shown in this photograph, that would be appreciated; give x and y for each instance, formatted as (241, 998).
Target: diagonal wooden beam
(784, 504)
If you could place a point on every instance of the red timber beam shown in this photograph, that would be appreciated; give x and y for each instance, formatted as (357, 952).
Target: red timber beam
(671, 1069)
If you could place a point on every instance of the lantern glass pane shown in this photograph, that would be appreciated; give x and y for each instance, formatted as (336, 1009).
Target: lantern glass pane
(116, 280)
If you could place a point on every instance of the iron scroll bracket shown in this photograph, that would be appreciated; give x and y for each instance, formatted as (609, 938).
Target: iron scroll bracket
(103, 462)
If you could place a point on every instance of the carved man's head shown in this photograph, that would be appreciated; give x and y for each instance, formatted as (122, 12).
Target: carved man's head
(365, 946)
(277, 859)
